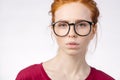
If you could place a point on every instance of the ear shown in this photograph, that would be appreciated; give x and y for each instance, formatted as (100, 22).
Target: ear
(51, 29)
(93, 31)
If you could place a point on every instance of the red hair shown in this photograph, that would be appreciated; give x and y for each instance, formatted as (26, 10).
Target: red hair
(91, 4)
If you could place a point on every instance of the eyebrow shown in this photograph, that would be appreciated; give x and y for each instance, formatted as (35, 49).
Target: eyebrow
(63, 21)
(79, 20)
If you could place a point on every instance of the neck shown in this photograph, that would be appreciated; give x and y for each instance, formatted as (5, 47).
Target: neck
(71, 63)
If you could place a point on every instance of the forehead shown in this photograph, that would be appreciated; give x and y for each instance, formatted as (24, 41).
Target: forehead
(72, 12)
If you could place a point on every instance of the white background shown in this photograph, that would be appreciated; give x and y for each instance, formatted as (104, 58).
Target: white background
(25, 37)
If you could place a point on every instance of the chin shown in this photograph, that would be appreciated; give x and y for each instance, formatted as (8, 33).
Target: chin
(73, 52)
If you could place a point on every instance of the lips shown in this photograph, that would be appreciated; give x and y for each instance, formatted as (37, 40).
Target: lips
(72, 45)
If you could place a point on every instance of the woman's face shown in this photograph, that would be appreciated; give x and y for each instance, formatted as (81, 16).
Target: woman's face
(72, 43)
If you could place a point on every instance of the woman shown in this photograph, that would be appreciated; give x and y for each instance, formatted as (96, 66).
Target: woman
(74, 24)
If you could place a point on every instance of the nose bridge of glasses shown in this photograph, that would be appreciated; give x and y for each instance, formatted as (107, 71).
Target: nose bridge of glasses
(72, 29)
(71, 24)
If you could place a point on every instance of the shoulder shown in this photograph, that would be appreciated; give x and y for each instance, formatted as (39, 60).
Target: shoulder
(100, 75)
(29, 72)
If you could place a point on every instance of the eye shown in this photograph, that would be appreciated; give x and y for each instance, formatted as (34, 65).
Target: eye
(62, 25)
(82, 24)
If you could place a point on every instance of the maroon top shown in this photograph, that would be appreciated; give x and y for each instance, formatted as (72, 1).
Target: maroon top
(37, 72)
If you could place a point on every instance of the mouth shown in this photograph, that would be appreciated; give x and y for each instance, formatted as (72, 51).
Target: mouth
(72, 45)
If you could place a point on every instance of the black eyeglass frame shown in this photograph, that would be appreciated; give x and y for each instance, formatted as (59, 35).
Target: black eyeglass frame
(69, 24)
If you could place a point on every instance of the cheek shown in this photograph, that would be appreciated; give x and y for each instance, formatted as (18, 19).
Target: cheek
(60, 41)
(84, 42)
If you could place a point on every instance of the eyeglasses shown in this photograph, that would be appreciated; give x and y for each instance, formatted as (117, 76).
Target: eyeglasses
(81, 28)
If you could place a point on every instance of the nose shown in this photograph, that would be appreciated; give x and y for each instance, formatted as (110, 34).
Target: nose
(72, 31)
